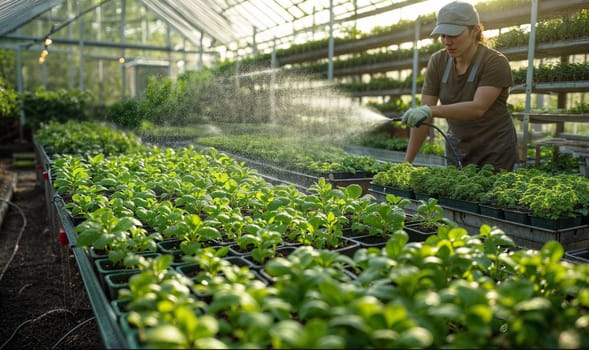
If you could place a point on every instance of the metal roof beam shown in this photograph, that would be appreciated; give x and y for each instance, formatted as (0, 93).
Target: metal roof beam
(76, 42)
(14, 13)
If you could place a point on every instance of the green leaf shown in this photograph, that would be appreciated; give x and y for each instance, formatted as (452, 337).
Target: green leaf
(207, 327)
(173, 231)
(353, 191)
(349, 321)
(278, 202)
(554, 250)
(116, 255)
(395, 244)
(125, 224)
(446, 311)
(164, 261)
(165, 336)
(278, 267)
(416, 338)
(88, 237)
(223, 302)
(190, 248)
(285, 332)
(314, 309)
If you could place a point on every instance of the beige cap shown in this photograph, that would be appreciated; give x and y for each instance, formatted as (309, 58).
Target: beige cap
(454, 18)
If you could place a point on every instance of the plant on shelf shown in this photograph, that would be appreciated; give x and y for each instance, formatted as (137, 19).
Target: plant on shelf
(551, 197)
(210, 261)
(85, 138)
(398, 175)
(162, 309)
(194, 232)
(86, 200)
(429, 215)
(324, 230)
(230, 222)
(104, 231)
(326, 210)
(288, 221)
(260, 242)
(296, 274)
(382, 218)
(289, 153)
(434, 181)
(472, 182)
(70, 173)
(160, 216)
(509, 188)
(418, 181)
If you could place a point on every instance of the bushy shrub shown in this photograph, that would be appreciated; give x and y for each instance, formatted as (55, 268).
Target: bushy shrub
(59, 105)
(8, 101)
(125, 112)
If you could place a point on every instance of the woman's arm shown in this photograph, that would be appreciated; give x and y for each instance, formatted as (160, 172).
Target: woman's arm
(484, 97)
(418, 135)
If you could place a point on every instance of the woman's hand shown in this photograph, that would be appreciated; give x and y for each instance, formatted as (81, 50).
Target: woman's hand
(414, 117)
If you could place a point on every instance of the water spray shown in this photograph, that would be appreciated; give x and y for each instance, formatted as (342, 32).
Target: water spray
(458, 162)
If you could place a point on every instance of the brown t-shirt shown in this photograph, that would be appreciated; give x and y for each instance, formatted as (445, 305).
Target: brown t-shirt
(488, 140)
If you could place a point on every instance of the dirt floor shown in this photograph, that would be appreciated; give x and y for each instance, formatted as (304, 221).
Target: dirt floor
(43, 301)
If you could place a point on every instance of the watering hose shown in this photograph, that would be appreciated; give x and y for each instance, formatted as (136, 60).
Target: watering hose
(458, 162)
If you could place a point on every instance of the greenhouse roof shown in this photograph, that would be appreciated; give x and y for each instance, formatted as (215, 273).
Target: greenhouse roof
(14, 13)
(226, 21)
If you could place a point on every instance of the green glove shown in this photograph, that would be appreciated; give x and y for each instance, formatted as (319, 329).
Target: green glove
(415, 116)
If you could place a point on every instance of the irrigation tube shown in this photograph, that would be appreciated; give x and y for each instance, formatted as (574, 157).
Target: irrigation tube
(78, 326)
(30, 321)
(452, 149)
(458, 162)
(22, 230)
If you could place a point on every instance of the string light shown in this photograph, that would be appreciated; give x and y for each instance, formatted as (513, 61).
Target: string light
(46, 42)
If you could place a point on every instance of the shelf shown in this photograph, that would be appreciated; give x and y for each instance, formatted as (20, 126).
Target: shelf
(387, 92)
(539, 88)
(554, 87)
(396, 156)
(544, 118)
(552, 49)
(523, 235)
(492, 20)
(381, 67)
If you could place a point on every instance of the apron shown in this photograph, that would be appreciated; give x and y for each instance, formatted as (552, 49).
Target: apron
(487, 140)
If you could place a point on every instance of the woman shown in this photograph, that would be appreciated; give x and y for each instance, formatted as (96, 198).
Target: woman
(472, 83)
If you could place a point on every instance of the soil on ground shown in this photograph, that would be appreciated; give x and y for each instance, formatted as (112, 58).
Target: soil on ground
(43, 301)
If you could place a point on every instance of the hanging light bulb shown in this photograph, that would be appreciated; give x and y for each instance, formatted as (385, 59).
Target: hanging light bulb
(41, 60)
(44, 53)
(48, 41)
(121, 60)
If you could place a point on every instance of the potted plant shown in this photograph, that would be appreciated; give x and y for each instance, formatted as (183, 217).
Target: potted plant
(467, 187)
(194, 232)
(380, 220)
(395, 180)
(553, 202)
(429, 181)
(259, 243)
(507, 190)
(428, 217)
